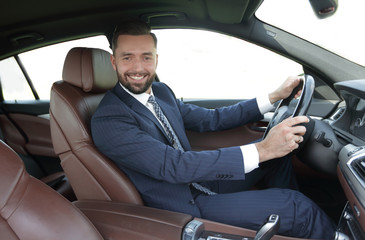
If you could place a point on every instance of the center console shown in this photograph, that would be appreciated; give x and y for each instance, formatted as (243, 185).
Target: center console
(195, 230)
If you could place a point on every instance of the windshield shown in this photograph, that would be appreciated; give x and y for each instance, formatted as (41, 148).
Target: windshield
(342, 33)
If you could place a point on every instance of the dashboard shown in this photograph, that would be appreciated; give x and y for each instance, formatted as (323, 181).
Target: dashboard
(348, 124)
(357, 127)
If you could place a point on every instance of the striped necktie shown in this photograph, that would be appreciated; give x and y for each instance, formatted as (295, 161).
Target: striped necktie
(174, 140)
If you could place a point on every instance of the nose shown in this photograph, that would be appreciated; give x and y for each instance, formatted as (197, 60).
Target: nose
(137, 65)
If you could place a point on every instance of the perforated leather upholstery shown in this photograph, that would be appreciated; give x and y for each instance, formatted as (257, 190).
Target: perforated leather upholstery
(87, 75)
(29, 209)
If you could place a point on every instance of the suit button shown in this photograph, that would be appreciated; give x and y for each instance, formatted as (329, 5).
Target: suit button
(192, 202)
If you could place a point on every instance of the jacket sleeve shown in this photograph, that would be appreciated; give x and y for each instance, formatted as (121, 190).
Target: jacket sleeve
(202, 120)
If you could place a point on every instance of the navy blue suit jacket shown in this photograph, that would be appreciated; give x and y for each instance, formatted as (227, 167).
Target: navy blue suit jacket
(128, 133)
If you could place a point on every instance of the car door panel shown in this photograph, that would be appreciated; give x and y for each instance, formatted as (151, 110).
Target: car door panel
(11, 134)
(26, 128)
(37, 131)
(31, 107)
(32, 121)
(232, 137)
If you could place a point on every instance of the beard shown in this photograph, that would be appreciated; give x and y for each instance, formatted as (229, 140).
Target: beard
(136, 88)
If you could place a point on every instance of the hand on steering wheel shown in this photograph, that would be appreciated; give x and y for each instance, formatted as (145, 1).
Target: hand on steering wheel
(290, 135)
(283, 110)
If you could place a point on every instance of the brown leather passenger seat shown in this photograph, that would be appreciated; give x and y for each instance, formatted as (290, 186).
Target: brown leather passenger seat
(29, 209)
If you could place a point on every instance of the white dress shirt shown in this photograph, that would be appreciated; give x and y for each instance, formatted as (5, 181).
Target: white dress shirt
(249, 151)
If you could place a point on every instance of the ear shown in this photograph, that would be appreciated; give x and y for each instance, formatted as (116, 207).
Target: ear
(156, 60)
(112, 60)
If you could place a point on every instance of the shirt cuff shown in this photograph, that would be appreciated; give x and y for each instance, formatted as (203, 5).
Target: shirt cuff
(264, 104)
(250, 157)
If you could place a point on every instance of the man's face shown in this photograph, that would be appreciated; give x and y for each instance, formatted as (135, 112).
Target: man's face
(135, 61)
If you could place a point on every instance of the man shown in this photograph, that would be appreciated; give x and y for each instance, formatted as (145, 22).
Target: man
(147, 141)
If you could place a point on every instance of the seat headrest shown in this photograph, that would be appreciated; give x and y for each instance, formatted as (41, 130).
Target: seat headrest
(89, 69)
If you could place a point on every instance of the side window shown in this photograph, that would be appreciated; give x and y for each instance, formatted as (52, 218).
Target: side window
(199, 64)
(13, 83)
(43, 65)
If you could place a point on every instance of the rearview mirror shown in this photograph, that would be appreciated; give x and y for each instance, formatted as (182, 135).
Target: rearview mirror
(324, 8)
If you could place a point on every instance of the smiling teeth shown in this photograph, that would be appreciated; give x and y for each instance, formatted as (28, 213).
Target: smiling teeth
(137, 78)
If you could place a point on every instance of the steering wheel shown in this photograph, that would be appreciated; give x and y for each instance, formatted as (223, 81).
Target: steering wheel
(284, 111)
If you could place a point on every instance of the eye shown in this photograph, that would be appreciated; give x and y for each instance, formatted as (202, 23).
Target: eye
(126, 59)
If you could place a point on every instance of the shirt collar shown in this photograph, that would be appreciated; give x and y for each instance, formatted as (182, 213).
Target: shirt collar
(142, 97)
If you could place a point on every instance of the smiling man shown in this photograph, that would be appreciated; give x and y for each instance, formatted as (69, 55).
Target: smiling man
(140, 125)
(136, 66)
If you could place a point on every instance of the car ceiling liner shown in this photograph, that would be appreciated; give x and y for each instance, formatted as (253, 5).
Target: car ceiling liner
(231, 11)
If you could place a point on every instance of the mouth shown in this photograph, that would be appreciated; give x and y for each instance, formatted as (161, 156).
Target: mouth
(137, 77)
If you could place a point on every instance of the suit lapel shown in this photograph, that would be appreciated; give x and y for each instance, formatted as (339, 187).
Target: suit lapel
(136, 106)
(169, 108)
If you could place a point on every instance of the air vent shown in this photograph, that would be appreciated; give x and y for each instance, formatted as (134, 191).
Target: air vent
(358, 166)
(338, 113)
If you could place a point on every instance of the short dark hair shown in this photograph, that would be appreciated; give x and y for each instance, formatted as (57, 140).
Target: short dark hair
(132, 27)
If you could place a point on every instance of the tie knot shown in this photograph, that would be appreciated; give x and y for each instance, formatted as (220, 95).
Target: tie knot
(151, 99)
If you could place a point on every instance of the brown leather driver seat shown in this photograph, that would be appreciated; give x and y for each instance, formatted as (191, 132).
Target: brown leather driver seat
(87, 75)
(29, 209)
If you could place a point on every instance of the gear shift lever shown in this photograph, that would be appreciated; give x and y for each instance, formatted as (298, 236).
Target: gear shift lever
(269, 228)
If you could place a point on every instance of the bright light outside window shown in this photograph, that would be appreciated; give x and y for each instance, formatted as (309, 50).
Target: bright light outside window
(201, 64)
(13, 83)
(342, 33)
(195, 64)
(45, 65)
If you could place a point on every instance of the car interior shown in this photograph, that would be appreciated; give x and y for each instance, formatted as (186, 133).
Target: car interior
(55, 184)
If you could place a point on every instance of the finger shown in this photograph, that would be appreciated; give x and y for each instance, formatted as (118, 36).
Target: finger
(299, 130)
(299, 139)
(294, 81)
(295, 143)
(296, 120)
(296, 139)
(298, 93)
